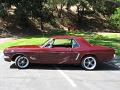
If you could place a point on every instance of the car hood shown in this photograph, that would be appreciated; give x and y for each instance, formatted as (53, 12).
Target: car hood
(24, 46)
(21, 48)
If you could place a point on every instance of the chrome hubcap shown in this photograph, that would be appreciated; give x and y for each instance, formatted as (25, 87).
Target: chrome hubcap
(89, 63)
(23, 62)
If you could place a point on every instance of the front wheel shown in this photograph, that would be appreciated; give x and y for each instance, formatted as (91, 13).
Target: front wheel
(22, 62)
(89, 63)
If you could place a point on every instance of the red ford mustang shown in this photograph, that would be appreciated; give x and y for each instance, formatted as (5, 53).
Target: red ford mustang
(60, 50)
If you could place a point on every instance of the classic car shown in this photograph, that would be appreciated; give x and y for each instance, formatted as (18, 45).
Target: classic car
(60, 50)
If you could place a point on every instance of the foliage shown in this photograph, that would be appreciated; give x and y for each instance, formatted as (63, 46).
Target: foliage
(2, 10)
(35, 8)
(115, 18)
(45, 11)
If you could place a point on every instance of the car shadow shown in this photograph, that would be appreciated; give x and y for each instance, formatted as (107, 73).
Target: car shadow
(100, 67)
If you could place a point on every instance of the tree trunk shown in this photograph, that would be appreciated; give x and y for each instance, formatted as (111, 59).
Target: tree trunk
(41, 15)
(41, 23)
(60, 12)
(80, 13)
(68, 7)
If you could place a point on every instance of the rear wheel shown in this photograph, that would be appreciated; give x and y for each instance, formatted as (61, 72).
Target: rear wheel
(89, 63)
(22, 62)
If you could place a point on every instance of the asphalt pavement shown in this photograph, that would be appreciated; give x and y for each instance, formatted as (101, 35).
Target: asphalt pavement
(2, 40)
(59, 77)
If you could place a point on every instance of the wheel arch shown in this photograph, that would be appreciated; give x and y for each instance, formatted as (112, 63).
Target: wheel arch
(16, 55)
(93, 55)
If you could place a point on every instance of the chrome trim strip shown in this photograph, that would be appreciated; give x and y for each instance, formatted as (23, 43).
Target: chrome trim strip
(51, 39)
(77, 56)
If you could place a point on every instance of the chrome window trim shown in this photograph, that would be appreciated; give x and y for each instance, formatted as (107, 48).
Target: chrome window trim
(50, 40)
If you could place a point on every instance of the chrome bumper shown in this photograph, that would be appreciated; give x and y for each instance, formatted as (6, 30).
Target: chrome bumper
(7, 58)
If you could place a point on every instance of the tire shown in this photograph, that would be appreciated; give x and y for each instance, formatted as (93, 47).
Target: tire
(21, 62)
(89, 63)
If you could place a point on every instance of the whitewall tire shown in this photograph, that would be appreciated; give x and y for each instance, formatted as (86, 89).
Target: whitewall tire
(22, 62)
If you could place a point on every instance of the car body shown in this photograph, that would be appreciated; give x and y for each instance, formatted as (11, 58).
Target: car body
(60, 50)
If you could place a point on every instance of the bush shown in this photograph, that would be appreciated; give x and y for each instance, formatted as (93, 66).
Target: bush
(115, 18)
(2, 11)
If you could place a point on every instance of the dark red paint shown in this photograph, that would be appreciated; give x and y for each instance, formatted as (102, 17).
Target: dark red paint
(43, 55)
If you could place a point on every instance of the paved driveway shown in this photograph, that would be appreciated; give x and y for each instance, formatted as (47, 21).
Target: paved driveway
(2, 40)
(59, 77)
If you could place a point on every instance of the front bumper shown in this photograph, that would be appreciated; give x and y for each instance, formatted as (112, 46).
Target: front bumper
(7, 58)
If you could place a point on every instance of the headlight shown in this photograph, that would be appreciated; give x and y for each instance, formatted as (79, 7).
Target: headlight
(12, 51)
(8, 51)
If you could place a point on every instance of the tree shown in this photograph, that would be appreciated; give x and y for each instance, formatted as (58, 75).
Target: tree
(54, 4)
(27, 8)
(114, 19)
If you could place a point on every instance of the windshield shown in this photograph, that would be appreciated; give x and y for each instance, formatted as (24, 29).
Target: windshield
(46, 42)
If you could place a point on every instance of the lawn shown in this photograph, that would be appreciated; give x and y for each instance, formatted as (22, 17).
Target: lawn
(107, 39)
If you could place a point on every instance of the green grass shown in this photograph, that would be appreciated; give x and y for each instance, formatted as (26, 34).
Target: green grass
(106, 39)
(23, 41)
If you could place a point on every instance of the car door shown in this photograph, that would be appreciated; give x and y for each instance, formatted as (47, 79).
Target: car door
(66, 55)
(59, 53)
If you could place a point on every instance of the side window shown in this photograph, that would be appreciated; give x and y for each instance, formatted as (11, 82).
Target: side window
(62, 43)
(74, 44)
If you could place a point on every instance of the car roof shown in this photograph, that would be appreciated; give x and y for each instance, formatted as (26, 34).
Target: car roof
(65, 36)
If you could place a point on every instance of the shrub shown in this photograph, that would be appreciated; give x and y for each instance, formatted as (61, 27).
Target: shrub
(2, 11)
(115, 18)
